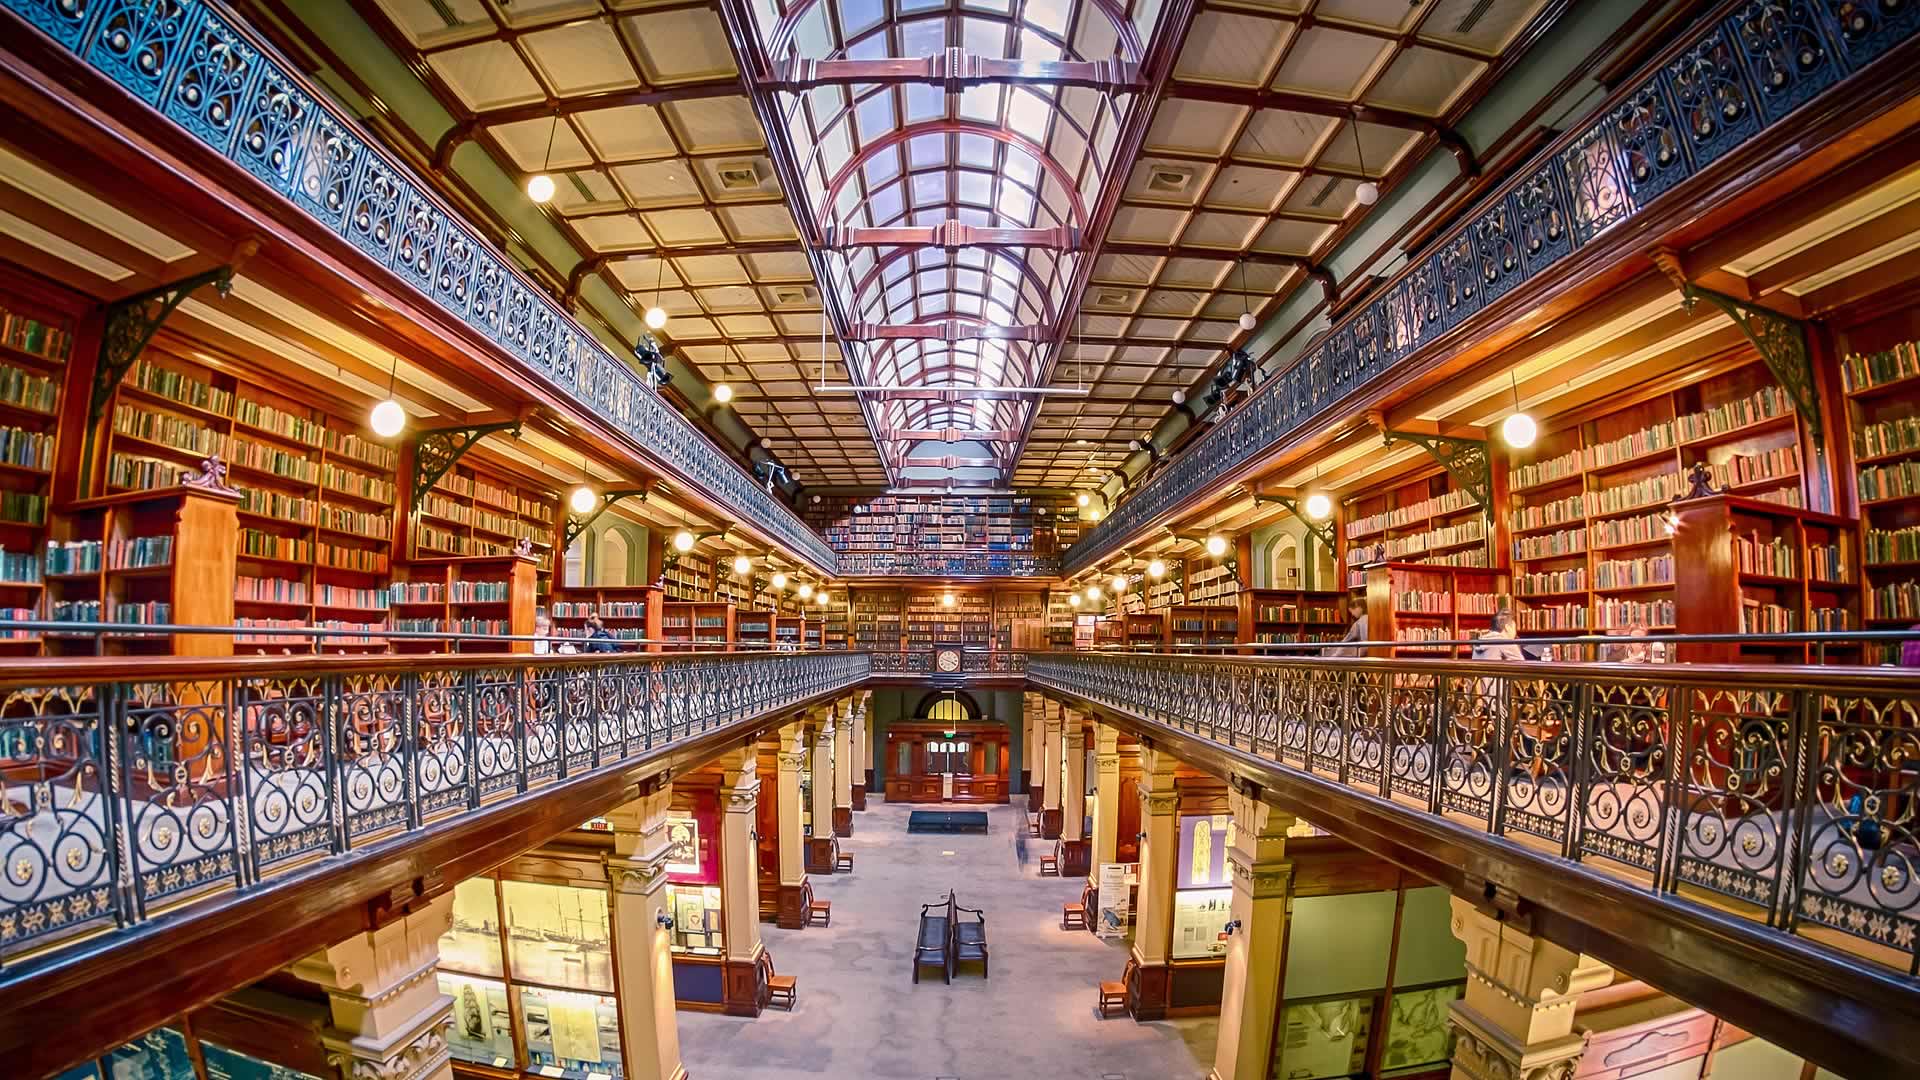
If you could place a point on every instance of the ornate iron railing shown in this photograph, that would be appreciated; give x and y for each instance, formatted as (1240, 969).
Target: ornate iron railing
(1735, 77)
(164, 780)
(217, 80)
(926, 662)
(1791, 795)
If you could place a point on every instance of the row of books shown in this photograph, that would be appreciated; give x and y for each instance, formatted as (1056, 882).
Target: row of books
(303, 429)
(1549, 545)
(271, 590)
(1889, 481)
(1767, 618)
(1552, 617)
(19, 567)
(1551, 581)
(167, 430)
(1647, 491)
(343, 596)
(1864, 371)
(481, 592)
(31, 335)
(140, 473)
(1647, 440)
(1451, 502)
(289, 508)
(1780, 463)
(274, 546)
(27, 390)
(23, 507)
(1632, 530)
(180, 387)
(1894, 600)
(274, 460)
(358, 448)
(370, 524)
(1627, 573)
(126, 553)
(1564, 467)
(1893, 545)
(1614, 614)
(1772, 558)
(1470, 531)
(1557, 512)
(1874, 440)
(1763, 404)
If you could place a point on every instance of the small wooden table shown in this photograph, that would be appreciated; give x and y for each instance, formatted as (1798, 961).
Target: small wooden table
(1073, 916)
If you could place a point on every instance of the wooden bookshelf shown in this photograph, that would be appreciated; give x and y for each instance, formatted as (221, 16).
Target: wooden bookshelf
(629, 612)
(1746, 566)
(1192, 625)
(1414, 602)
(689, 579)
(998, 525)
(878, 619)
(160, 556)
(475, 511)
(480, 594)
(1426, 521)
(1017, 616)
(1144, 631)
(1880, 384)
(1274, 616)
(968, 622)
(1588, 509)
(687, 626)
(36, 342)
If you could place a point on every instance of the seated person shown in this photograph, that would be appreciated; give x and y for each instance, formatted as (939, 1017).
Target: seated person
(1501, 642)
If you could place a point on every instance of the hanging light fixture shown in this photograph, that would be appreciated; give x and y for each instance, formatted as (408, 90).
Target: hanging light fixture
(1247, 321)
(722, 393)
(1073, 599)
(683, 541)
(388, 418)
(1518, 430)
(656, 316)
(540, 185)
(1319, 506)
(1216, 545)
(806, 591)
(582, 498)
(946, 599)
(1156, 569)
(779, 581)
(1368, 192)
(821, 597)
(1119, 584)
(1093, 594)
(742, 566)
(1083, 499)
(1179, 397)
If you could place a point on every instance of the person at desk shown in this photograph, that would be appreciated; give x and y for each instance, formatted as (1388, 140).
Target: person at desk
(1502, 642)
(599, 638)
(542, 632)
(1357, 606)
(1629, 652)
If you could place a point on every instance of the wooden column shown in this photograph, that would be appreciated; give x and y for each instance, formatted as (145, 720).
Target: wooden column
(1106, 797)
(820, 842)
(862, 750)
(1050, 777)
(1076, 852)
(649, 1033)
(389, 1017)
(1153, 921)
(843, 762)
(745, 990)
(792, 912)
(1256, 950)
(1033, 760)
(1517, 1016)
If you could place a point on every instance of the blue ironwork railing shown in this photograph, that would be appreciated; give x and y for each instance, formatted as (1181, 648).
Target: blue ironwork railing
(215, 79)
(1737, 76)
(161, 780)
(1790, 794)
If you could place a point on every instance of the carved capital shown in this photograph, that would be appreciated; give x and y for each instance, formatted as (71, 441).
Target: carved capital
(1106, 764)
(1483, 1051)
(1260, 880)
(425, 1054)
(792, 761)
(638, 876)
(1159, 803)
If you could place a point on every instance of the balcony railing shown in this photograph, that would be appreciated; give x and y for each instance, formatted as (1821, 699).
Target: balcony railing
(133, 786)
(206, 73)
(1790, 795)
(1723, 83)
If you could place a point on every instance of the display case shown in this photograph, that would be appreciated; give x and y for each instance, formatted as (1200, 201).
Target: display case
(1203, 892)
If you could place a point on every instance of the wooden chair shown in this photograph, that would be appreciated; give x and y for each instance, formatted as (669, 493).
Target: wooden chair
(1113, 995)
(819, 912)
(1050, 864)
(1073, 916)
(842, 862)
(782, 990)
(1033, 824)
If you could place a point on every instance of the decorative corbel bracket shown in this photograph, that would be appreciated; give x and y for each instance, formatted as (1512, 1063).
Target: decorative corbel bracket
(1780, 339)
(576, 525)
(132, 322)
(1464, 459)
(1322, 530)
(436, 449)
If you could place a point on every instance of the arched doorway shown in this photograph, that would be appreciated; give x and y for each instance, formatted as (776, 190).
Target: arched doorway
(949, 751)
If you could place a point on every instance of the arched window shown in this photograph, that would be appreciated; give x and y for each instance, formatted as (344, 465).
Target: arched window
(612, 568)
(1285, 567)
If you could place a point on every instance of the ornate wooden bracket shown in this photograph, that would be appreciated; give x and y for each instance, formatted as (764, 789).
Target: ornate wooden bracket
(1464, 459)
(435, 450)
(1322, 531)
(577, 525)
(1780, 339)
(131, 324)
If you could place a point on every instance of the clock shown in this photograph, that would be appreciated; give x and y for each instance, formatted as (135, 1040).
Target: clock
(947, 661)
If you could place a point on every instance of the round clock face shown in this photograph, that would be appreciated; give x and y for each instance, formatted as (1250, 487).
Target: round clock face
(948, 661)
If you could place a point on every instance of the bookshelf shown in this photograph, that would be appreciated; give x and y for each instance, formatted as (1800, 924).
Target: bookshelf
(1211, 583)
(1193, 625)
(1592, 545)
(1144, 631)
(1747, 566)
(1062, 616)
(474, 511)
(1880, 384)
(160, 556)
(967, 623)
(36, 343)
(1000, 525)
(1426, 521)
(629, 612)
(1274, 616)
(481, 594)
(689, 579)
(686, 626)
(878, 619)
(1414, 602)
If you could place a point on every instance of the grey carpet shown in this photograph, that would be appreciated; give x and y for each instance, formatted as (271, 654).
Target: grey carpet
(861, 1017)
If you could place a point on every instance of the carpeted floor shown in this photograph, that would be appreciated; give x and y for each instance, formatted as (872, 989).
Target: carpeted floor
(860, 1016)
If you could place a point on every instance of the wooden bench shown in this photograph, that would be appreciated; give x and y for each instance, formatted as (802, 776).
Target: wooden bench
(933, 946)
(1073, 916)
(1113, 995)
(970, 938)
(782, 990)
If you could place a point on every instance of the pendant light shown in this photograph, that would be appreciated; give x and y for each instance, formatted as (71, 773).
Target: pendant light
(388, 418)
(1319, 504)
(742, 566)
(779, 581)
(1216, 545)
(1073, 599)
(1083, 499)
(1156, 569)
(722, 393)
(1518, 430)
(1247, 321)
(1368, 192)
(656, 316)
(683, 541)
(806, 591)
(540, 185)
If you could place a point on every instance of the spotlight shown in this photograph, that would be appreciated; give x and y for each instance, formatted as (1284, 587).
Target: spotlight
(656, 317)
(1216, 545)
(779, 581)
(1084, 499)
(582, 499)
(540, 187)
(742, 566)
(1156, 569)
(806, 592)
(1247, 321)
(946, 599)
(683, 541)
(1093, 515)
(1367, 193)
(387, 419)
(1319, 507)
(722, 393)
(1519, 430)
